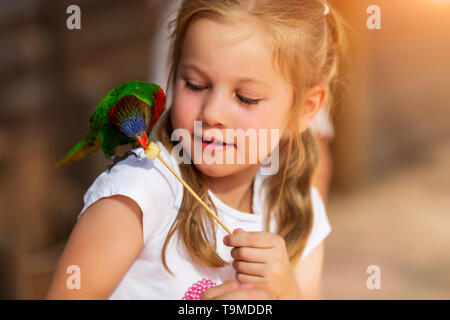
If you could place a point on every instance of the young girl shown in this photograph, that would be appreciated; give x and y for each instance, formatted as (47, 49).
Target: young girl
(246, 65)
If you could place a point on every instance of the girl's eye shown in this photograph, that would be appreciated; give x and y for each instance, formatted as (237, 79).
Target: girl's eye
(246, 101)
(243, 100)
(194, 87)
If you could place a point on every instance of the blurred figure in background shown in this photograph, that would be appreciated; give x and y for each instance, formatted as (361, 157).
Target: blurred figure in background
(159, 69)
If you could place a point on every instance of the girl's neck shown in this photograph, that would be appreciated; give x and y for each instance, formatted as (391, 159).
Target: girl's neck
(235, 190)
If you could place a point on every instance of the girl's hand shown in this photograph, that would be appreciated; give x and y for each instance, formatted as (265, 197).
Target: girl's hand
(232, 290)
(261, 259)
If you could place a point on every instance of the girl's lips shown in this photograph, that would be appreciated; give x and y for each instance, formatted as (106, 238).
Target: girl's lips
(213, 145)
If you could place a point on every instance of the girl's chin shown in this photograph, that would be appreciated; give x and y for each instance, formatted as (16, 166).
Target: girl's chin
(219, 170)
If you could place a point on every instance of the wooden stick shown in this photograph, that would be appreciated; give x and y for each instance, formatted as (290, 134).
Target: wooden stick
(153, 152)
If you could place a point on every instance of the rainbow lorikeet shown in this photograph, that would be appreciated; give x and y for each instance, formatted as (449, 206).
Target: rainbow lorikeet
(125, 115)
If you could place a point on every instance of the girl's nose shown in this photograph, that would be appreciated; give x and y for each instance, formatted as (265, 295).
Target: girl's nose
(214, 112)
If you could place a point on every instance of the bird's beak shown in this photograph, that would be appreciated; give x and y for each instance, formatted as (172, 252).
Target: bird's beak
(143, 141)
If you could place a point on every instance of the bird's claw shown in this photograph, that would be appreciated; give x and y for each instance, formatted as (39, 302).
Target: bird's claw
(116, 158)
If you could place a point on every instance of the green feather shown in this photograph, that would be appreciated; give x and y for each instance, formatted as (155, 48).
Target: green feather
(81, 150)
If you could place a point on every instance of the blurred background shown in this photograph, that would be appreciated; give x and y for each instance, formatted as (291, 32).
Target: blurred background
(389, 199)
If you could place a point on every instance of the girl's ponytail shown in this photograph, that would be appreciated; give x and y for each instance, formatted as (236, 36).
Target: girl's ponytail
(337, 56)
(288, 191)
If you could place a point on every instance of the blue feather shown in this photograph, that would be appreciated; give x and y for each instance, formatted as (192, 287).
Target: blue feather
(131, 116)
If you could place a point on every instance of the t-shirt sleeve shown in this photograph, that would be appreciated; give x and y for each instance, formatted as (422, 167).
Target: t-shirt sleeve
(321, 226)
(322, 124)
(148, 182)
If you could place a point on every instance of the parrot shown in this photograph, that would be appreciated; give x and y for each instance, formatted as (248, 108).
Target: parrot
(125, 115)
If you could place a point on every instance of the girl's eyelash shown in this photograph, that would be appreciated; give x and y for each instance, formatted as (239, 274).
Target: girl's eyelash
(243, 100)
(247, 101)
(193, 87)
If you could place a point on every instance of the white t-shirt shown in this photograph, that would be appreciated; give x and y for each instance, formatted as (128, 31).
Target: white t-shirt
(158, 193)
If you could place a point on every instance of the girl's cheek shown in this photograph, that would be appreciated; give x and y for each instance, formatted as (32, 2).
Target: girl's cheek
(186, 107)
(268, 129)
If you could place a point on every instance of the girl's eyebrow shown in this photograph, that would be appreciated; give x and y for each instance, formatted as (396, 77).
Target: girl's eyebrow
(239, 80)
(194, 68)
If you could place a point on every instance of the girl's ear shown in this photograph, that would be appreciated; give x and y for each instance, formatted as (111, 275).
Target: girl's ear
(314, 100)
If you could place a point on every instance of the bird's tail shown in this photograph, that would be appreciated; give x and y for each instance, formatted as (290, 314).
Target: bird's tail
(81, 150)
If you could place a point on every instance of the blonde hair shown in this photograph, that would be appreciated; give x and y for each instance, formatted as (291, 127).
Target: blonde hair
(308, 48)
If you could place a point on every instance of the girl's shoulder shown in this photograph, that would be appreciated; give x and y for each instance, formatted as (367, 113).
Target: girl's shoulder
(148, 182)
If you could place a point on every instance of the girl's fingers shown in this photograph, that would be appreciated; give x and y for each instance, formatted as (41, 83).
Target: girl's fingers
(232, 290)
(252, 239)
(224, 288)
(246, 294)
(251, 254)
(249, 268)
(245, 278)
